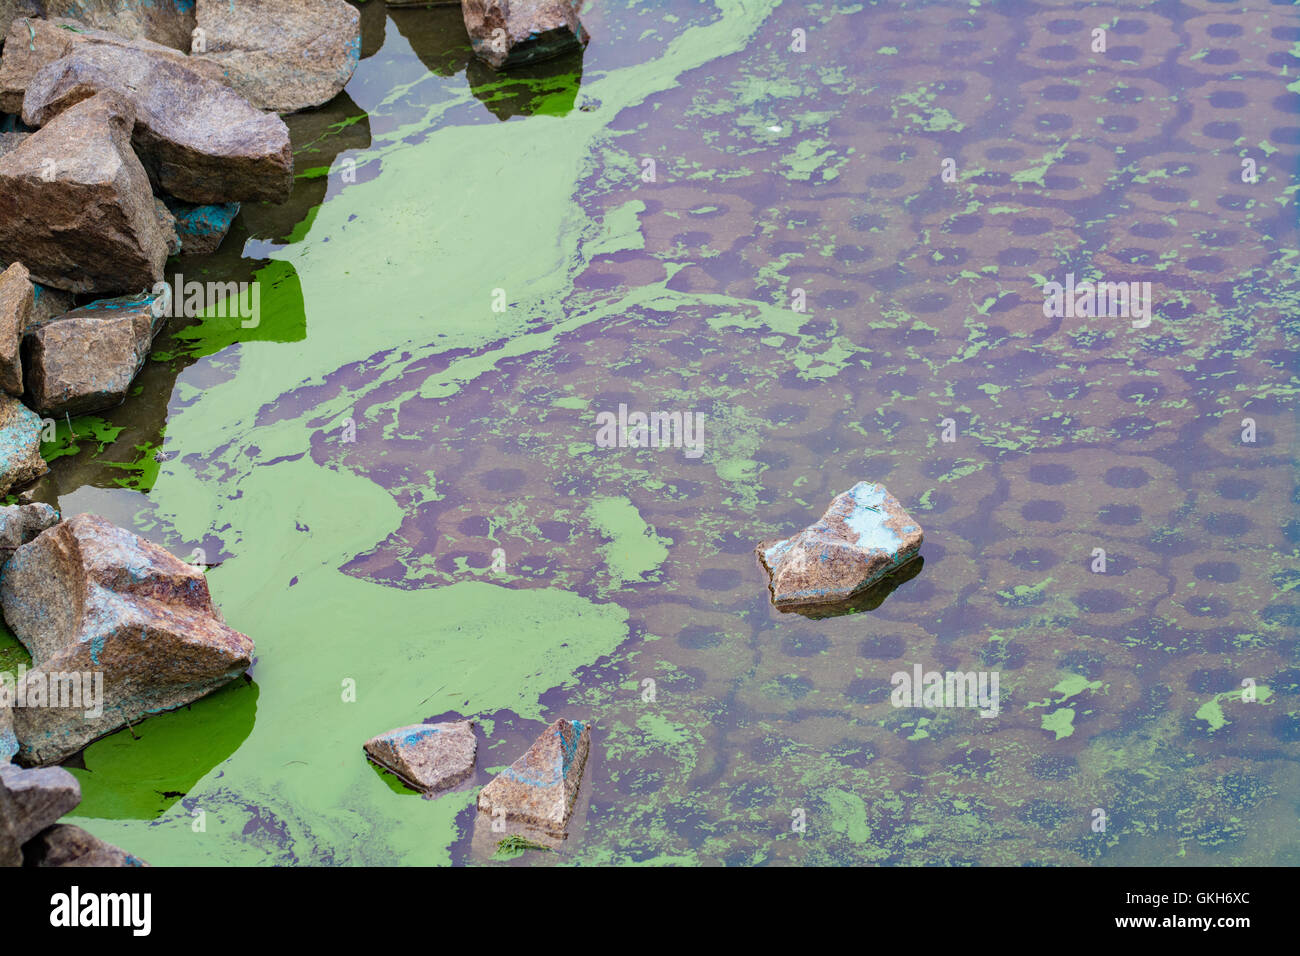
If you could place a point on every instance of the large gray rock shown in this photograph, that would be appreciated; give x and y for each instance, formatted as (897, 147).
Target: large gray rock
(282, 55)
(75, 203)
(198, 140)
(169, 22)
(17, 302)
(66, 845)
(428, 757)
(37, 798)
(864, 535)
(21, 523)
(20, 445)
(32, 44)
(539, 788)
(506, 33)
(84, 361)
(87, 596)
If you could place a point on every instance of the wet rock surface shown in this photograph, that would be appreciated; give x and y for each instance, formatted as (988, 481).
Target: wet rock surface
(539, 789)
(282, 55)
(863, 536)
(507, 33)
(87, 596)
(20, 445)
(86, 359)
(198, 140)
(427, 757)
(17, 303)
(76, 206)
(201, 229)
(68, 845)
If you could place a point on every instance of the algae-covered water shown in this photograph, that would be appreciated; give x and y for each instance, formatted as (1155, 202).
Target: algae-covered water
(396, 479)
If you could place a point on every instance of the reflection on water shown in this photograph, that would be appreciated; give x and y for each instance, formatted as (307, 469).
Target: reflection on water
(823, 172)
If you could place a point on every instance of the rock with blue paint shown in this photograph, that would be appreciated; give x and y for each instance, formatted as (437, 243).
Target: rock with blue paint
(66, 845)
(864, 535)
(282, 55)
(198, 139)
(8, 739)
(137, 624)
(201, 229)
(427, 757)
(17, 303)
(21, 523)
(539, 789)
(509, 33)
(85, 360)
(169, 22)
(20, 445)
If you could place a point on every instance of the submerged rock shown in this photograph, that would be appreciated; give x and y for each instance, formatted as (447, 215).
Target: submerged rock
(20, 445)
(863, 536)
(202, 229)
(85, 360)
(17, 302)
(89, 597)
(75, 203)
(282, 55)
(199, 140)
(507, 33)
(36, 798)
(32, 44)
(539, 788)
(428, 757)
(66, 845)
(21, 523)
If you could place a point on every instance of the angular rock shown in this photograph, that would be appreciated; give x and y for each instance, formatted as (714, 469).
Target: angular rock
(8, 741)
(506, 33)
(20, 445)
(11, 141)
(66, 845)
(863, 536)
(37, 798)
(85, 360)
(11, 848)
(169, 22)
(199, 140)
(49, 304)
(282, 55)
(21, 523)
(167, 223)
(540, 787)
(17, 302)
(75, 203)
(428, 757)
(202, 229)
(32, 44)
(87, 596)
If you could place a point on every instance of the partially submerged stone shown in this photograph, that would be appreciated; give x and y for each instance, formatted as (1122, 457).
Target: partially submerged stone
(427, 757)
(282, 55)
(32, 44)
(75, 203)
(539, 788)
(21, 523)
(85, 360)
(202, 229)
(66, 845)
(199, 140)
(37, 798)
(17, 302)
(89, 597)
(506, 33)
(20, 445)
(863, 536)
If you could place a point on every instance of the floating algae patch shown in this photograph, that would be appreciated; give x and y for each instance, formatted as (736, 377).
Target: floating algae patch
(634, 551)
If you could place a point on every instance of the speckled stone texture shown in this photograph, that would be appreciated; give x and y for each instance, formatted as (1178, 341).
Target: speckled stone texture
(199, 140)
(282, 55)
(21, 523)
(20, 445)
(84, 361)
(428, 757)
(32, 44)
(540, 787)
(8, 740)
(863, 536)
(89, 596)
(37, 798)
(17, 302)
(66, 845)
(75, 203)
(533, 30)
(170, 22)
(201, 229)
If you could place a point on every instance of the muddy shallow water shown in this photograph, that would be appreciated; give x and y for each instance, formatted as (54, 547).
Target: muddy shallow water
(400, 489)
